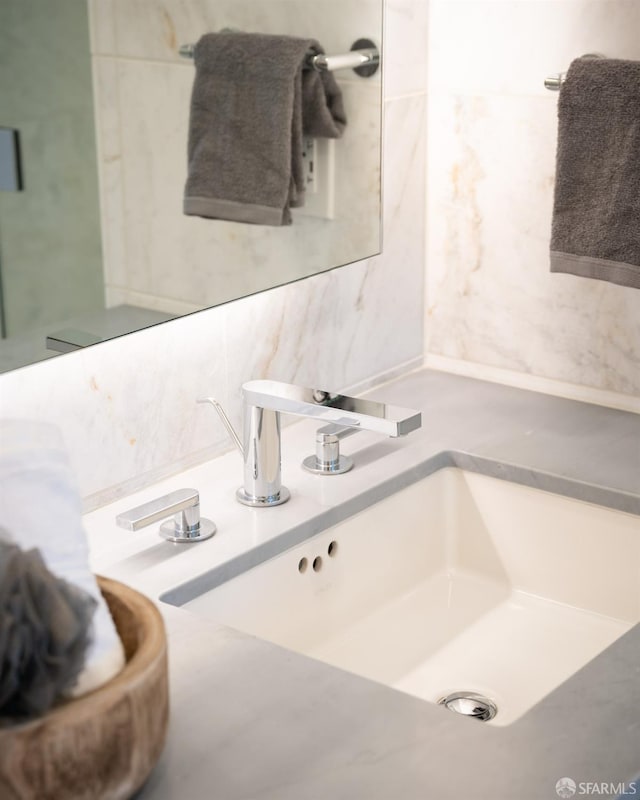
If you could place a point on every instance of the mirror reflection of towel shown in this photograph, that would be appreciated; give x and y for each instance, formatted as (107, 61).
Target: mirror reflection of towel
(250, 106)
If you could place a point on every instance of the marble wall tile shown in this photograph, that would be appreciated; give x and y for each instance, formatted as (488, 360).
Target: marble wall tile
(491, 166)
(406, 46)
(110, 172)
(102, 26)
(485, 46)
(127, 407)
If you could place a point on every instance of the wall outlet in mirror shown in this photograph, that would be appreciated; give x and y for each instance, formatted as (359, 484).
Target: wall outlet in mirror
(319, 165)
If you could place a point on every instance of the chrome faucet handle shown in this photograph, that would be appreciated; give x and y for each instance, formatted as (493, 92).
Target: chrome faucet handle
(186, 526)
(327, 459)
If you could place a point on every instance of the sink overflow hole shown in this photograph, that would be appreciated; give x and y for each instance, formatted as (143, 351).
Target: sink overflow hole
(332, 550)
(470, 704)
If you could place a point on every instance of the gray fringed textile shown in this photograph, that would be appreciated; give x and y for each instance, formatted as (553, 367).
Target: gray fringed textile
(45, 629)
(251, 104)
(596, 214)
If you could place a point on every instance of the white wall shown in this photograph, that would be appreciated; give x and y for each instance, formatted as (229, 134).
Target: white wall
(491, 300)
(127, 407)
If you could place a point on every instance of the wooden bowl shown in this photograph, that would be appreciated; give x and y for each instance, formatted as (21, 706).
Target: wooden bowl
(105, 743)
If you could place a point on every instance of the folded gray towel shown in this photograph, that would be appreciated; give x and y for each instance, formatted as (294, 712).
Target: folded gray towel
(251, 104)
(596, 215)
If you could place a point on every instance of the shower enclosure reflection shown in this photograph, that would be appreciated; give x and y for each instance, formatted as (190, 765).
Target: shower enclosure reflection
(121, 255)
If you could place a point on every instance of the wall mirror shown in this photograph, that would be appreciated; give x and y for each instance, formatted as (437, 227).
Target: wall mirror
(93, 241)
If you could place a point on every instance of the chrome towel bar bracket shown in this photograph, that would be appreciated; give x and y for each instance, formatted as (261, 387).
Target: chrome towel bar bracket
(554, 82)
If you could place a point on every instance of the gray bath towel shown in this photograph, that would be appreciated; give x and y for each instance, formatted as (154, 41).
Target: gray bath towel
(251, 104)
(596, 215)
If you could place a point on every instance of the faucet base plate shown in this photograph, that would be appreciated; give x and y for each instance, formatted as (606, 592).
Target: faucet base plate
(263, 502)
(204, 530)
(339, 467)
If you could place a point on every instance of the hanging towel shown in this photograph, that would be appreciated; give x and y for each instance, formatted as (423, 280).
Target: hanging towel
(596, 215)
(250, 106)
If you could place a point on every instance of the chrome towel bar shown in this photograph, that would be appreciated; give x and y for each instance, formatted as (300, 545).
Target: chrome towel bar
(363, 58)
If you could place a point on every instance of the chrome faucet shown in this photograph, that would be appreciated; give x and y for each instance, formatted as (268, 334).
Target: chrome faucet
(264, 401)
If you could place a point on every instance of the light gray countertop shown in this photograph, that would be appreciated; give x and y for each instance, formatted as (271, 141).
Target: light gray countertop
(252, 720)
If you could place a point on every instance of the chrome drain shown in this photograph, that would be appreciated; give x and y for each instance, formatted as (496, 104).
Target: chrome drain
(470, 704)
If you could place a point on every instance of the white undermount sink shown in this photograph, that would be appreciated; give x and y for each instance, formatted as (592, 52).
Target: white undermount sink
(460, 582)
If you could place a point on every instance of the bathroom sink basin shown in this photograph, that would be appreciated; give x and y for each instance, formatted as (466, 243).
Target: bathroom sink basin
(459, 582)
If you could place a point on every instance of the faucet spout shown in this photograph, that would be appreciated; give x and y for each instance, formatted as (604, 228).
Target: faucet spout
(263, 403)
(350, 412)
